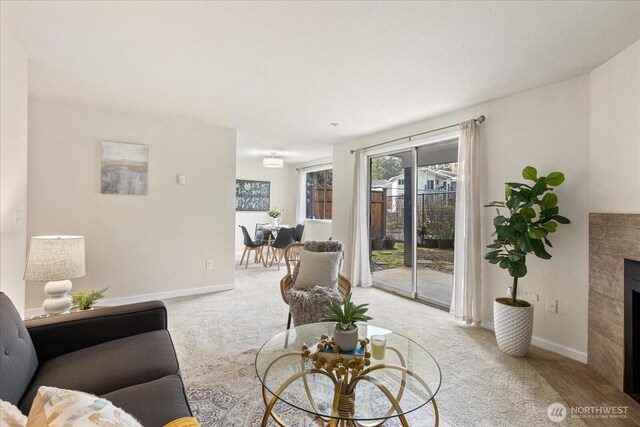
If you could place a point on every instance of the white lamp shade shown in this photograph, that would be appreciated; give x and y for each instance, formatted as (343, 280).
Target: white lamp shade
(272, 162)
(55, 258)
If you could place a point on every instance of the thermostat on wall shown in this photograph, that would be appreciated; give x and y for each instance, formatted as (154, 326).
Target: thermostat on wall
(182, 180)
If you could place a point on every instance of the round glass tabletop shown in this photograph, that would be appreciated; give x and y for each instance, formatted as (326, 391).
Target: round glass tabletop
(400, 379)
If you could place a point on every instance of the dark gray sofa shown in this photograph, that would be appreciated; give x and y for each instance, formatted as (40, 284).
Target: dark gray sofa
(123, 353)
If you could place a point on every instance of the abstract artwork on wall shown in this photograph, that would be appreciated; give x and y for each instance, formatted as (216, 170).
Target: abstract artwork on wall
(124, 168)
(253, 195)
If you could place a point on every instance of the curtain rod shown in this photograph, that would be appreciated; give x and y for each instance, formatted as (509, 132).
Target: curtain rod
(314, 166)
(478, 120)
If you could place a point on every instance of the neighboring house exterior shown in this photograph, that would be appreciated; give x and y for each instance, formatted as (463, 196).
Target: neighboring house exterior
(379, 183)
(429, 180)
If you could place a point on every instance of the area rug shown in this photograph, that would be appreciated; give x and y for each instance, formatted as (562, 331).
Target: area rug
(226, 392)
(216, 337)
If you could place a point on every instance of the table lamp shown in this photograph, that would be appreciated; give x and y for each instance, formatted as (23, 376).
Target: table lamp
(55, 260)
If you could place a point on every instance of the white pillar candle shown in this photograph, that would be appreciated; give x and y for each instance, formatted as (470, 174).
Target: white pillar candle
(378, 344)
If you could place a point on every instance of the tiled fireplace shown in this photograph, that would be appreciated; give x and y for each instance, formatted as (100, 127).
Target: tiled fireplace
(614, 252)
(632, 328)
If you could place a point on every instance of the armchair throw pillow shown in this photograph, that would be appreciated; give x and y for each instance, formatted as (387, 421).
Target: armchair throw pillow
(317, 269)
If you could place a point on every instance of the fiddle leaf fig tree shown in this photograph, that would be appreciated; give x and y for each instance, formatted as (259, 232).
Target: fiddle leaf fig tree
(532, 213)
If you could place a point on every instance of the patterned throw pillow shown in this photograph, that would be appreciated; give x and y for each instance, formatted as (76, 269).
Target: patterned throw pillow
(55, 407)
(10, 416)
(184, 422)
(318, 269)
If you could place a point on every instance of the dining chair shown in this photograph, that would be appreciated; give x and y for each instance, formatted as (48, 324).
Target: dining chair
(297, 234)
(264, 231)
(251, 245)
(283, 239)
(259, 237)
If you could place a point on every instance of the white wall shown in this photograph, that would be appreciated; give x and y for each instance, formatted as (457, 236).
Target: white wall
(137, 245)
(317, 229)
(283, 195)
(13, 166)
(615, 134)
(547, 127)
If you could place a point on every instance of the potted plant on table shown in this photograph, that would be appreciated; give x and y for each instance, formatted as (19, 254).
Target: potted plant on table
(274, 215)
(84, 299)
(533, 214)
(346, 316)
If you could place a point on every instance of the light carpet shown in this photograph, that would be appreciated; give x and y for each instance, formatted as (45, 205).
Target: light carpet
(217, 335)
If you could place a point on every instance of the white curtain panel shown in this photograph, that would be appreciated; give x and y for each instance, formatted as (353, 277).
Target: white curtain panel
(467, 287)
(301, 193)
(359, 233)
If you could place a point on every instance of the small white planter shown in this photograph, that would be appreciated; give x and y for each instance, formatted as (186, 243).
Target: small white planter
(274, 221)
(513, 327)
(346, 340)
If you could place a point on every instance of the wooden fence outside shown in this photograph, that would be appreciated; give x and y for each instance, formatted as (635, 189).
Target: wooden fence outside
(316, 203)
(436, 212)
(378, 214)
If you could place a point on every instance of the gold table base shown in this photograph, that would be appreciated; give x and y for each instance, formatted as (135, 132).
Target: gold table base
(344, 394)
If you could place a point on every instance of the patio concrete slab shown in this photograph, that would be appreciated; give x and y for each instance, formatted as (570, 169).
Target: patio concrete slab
(433, 285)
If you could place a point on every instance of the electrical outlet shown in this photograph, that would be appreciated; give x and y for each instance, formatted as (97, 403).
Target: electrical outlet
(552, 306)
(531, 296)
(209, 264)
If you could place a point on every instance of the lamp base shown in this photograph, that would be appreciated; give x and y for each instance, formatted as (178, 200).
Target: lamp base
(59, 302)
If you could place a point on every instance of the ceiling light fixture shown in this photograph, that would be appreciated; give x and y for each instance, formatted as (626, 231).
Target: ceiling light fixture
(334, 124)
(272, 162)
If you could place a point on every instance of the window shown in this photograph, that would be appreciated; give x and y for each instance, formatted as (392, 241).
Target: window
(319, 194)
(401, 181)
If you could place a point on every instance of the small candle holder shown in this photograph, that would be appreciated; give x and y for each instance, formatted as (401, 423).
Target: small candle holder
(378, 346)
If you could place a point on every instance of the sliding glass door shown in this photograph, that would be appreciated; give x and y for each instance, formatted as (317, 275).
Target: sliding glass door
(390, 219)
(412, 219)
(435, 210)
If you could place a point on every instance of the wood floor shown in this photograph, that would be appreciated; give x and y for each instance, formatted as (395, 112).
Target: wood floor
(581, 386)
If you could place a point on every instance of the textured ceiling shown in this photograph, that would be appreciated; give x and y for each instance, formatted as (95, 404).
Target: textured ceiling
(280, 72)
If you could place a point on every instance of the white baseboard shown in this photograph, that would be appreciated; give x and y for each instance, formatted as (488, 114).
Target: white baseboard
(553, 347)
(150, 297)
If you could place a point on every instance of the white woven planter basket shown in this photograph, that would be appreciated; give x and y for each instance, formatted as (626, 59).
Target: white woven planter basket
(513, 327)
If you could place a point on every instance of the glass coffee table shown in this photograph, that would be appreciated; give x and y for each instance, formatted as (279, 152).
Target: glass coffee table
(363, 393)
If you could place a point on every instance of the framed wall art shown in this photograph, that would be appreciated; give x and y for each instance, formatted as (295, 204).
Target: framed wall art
(253, 195)
(124, 168)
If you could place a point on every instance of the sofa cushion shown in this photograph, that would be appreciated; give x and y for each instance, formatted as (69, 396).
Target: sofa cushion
(155, 403)
(106, 367)
(18, 359)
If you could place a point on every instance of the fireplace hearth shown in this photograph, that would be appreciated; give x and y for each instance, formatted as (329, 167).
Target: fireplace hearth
(614, 318)
(632, 328)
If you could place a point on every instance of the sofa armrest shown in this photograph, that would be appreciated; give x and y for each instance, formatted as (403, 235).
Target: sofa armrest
(57, 335)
